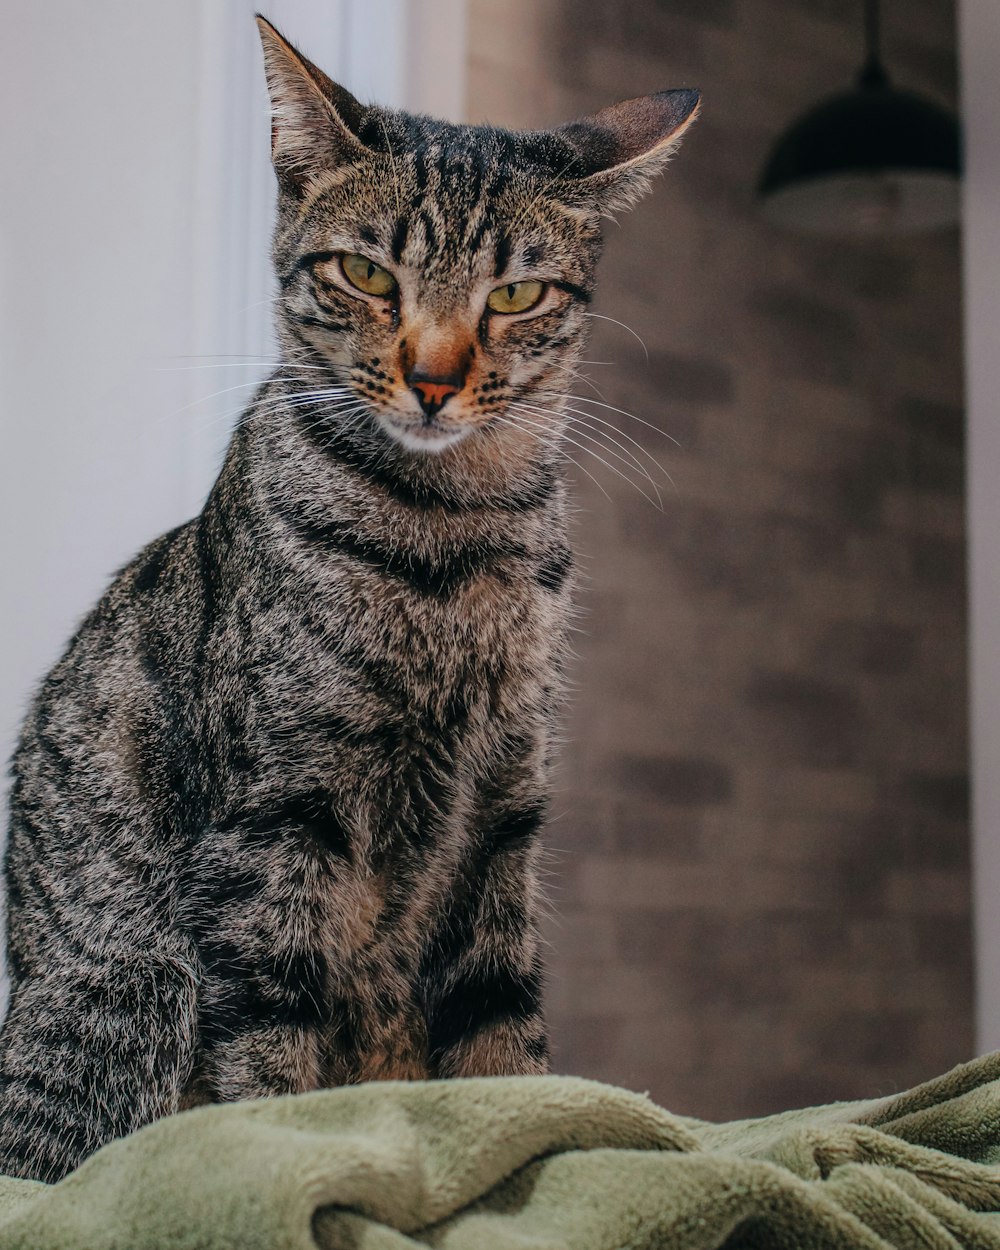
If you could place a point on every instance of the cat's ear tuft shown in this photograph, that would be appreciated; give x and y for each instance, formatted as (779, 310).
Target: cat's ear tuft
(313, 120)
(620, 148)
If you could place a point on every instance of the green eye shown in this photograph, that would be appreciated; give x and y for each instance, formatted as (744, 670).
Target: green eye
(367, 276)
(515, 297)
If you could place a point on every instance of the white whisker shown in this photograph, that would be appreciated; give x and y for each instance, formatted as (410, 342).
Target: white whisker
(581, 425)
(271, 299)
(601, 317)
(506, 418)
(592, 416)
(243, 364)
(562, 435)
(582, 377)
(632, 458)
(585, 399)
(582, 422)
(279, 403)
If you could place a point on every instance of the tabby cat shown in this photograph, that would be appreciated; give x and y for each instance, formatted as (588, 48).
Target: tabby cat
(275, 810)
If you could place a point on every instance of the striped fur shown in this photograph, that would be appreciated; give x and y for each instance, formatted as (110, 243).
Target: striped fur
(275, 811)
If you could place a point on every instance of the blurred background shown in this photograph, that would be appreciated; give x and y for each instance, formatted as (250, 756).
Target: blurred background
(766, 886)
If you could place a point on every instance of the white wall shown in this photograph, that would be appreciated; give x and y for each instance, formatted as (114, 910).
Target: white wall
(980, 55)
(135, 209)
(99, 103)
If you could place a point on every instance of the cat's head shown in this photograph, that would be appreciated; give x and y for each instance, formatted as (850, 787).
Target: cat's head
(442, 272)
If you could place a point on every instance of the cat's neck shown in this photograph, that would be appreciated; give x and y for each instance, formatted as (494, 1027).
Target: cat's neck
(291, 481)
(308, 450)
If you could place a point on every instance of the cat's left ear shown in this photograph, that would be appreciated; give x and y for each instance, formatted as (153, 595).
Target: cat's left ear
(620, 148)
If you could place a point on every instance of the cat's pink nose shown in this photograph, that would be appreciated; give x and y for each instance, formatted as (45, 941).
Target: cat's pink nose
(433, 393)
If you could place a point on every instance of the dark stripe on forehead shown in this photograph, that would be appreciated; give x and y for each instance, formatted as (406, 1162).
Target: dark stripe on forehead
(499, 180)
(399, 236)
(477, 172)
(503, 255)
(507, 148)
(534, 254)
(429, 230)
(367, 235)
(464, 183)
(477, 239)
(420, 170)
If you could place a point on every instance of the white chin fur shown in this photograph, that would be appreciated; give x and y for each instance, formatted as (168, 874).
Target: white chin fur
(429, 440)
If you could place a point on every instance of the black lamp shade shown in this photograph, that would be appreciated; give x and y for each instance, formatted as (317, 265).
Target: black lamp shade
(873, 160)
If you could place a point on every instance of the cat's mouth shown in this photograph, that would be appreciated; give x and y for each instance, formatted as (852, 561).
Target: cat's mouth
(426, 434)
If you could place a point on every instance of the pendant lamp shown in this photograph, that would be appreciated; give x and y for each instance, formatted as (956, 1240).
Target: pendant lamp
(874, 160)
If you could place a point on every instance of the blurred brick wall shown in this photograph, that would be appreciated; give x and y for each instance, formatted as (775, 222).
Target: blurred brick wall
(760, 869)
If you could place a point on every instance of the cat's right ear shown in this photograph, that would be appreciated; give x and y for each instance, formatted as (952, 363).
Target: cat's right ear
(620, 148)
(312, 118)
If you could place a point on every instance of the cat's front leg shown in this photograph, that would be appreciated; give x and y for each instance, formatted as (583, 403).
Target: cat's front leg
(93, 1048)
(253, 907)
(483, 969)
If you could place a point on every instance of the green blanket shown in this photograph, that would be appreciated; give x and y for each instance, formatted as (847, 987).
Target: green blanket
(536, 1163)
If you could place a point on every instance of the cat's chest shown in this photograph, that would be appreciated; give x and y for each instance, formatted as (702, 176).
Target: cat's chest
(408, 645)
(358, 682)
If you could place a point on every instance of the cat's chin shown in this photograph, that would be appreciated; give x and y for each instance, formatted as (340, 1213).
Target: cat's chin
(423, 438)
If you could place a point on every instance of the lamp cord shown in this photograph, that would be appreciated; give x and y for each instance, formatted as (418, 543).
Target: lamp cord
(873, 71)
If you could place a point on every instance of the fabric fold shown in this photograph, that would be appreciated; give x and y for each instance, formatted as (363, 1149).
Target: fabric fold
(534, 1163)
